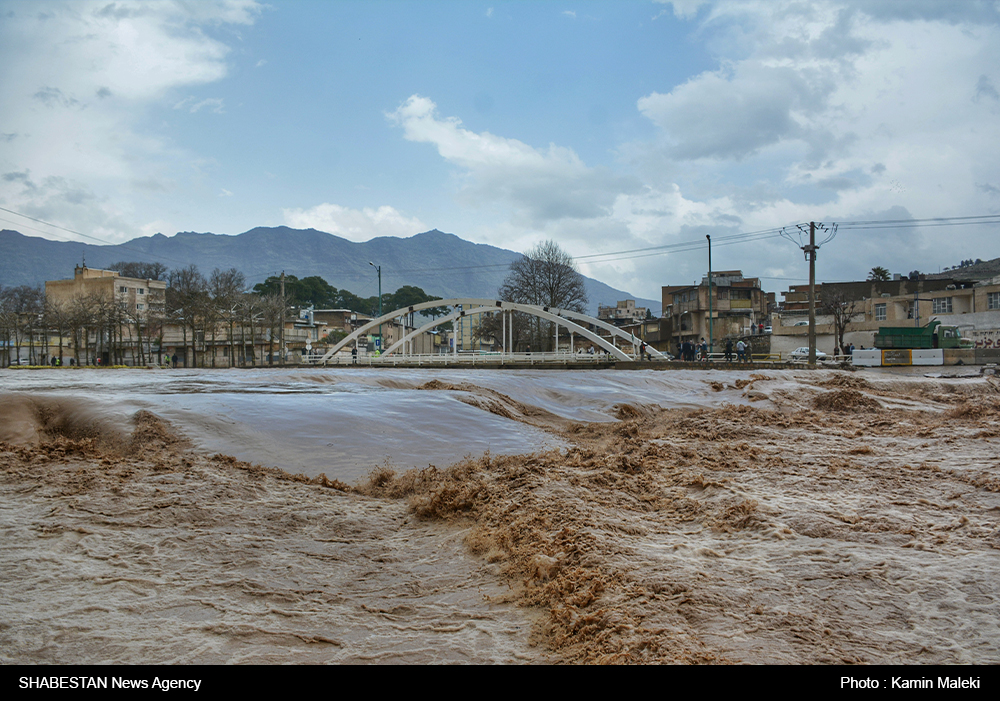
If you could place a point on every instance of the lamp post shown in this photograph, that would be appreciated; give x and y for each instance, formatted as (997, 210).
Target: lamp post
(379, 269)
(711, 341)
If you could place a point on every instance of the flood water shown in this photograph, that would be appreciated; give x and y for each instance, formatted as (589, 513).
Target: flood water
(344, 422)
(798, 516)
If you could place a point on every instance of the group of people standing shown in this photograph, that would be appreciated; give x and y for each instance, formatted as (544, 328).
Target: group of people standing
(691, 352)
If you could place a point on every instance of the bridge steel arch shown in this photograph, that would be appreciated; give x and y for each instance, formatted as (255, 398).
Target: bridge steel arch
(480, 305)
(511, 306)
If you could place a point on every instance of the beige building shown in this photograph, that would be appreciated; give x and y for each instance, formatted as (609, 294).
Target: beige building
(737, 303)
(625, 311)
(107, 318)
(136, 297)
(975, 310)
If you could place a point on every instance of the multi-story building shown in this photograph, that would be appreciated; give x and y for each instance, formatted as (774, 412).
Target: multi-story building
(737, 304)
(110, 318)
(625, 312)
(973, 308)
(137, 297)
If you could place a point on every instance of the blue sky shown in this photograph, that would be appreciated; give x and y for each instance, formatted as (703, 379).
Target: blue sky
(606, 126)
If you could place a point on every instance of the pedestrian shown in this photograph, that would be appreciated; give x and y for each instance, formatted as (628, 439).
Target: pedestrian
(354, 355)
(729, 350)
(741, 351)
(175, 359)
(760, 329)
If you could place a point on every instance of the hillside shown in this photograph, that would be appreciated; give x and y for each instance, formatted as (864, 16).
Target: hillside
(442, 264)
(977, 271)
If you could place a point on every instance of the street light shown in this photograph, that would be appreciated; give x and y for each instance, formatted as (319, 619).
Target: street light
(379, 269)
(711, 341)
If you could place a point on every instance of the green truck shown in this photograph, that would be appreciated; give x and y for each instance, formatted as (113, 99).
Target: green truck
(933, 335)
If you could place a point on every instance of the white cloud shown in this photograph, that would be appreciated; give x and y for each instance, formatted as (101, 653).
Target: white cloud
(354, 224)
(835, 111)
(540, 185)
(685, 9)
(192, 105)
(77, 78)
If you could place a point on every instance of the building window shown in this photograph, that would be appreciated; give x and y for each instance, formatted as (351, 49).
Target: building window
(993, 300)
(123, 290)
(139, 307)
(879, 312)
(942, 305)
(141, 290)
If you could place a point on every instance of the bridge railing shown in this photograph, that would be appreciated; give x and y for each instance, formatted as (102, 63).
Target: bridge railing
(478, 358)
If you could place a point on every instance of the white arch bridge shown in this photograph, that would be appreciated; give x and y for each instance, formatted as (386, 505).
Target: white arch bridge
(468, 307)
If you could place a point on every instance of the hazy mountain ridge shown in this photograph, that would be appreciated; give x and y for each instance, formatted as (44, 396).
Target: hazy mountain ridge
(442, 264)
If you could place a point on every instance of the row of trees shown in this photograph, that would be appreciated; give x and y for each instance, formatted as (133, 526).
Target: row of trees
(209, 310)
(316, 292)
(95, 324)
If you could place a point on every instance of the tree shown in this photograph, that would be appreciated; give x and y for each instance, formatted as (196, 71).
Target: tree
(187, 299)
(225, 288)
(142, 271)
(879, 274)
(545, 276)
(843, 311)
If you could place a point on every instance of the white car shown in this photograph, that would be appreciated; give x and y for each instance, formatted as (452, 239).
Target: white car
(801, 323)
(803, 354)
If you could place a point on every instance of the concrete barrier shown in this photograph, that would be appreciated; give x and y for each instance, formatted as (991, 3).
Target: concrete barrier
(867, 358)
(927, 356)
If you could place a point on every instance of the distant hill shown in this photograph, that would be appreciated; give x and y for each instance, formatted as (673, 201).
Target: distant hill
(442, 264)
(977, 271)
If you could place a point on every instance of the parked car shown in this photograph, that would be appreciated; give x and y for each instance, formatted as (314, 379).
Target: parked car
(803, 354)
(801, 323)
(20, 361)
(767, 329)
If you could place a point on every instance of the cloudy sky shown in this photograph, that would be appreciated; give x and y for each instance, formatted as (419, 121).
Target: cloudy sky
(606, 126)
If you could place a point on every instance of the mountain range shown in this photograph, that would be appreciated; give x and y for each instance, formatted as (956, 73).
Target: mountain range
(441, 264)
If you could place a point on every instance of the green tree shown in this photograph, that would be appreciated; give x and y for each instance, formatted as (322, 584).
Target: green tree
(408, 295)
(878, 274)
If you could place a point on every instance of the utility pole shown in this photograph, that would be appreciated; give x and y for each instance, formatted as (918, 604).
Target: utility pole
(811, 255)
(711, 343)
(281, 337)
(810, 251)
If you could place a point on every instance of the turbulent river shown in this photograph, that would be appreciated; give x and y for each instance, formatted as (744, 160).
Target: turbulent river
(344, 423)
(491, 516)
